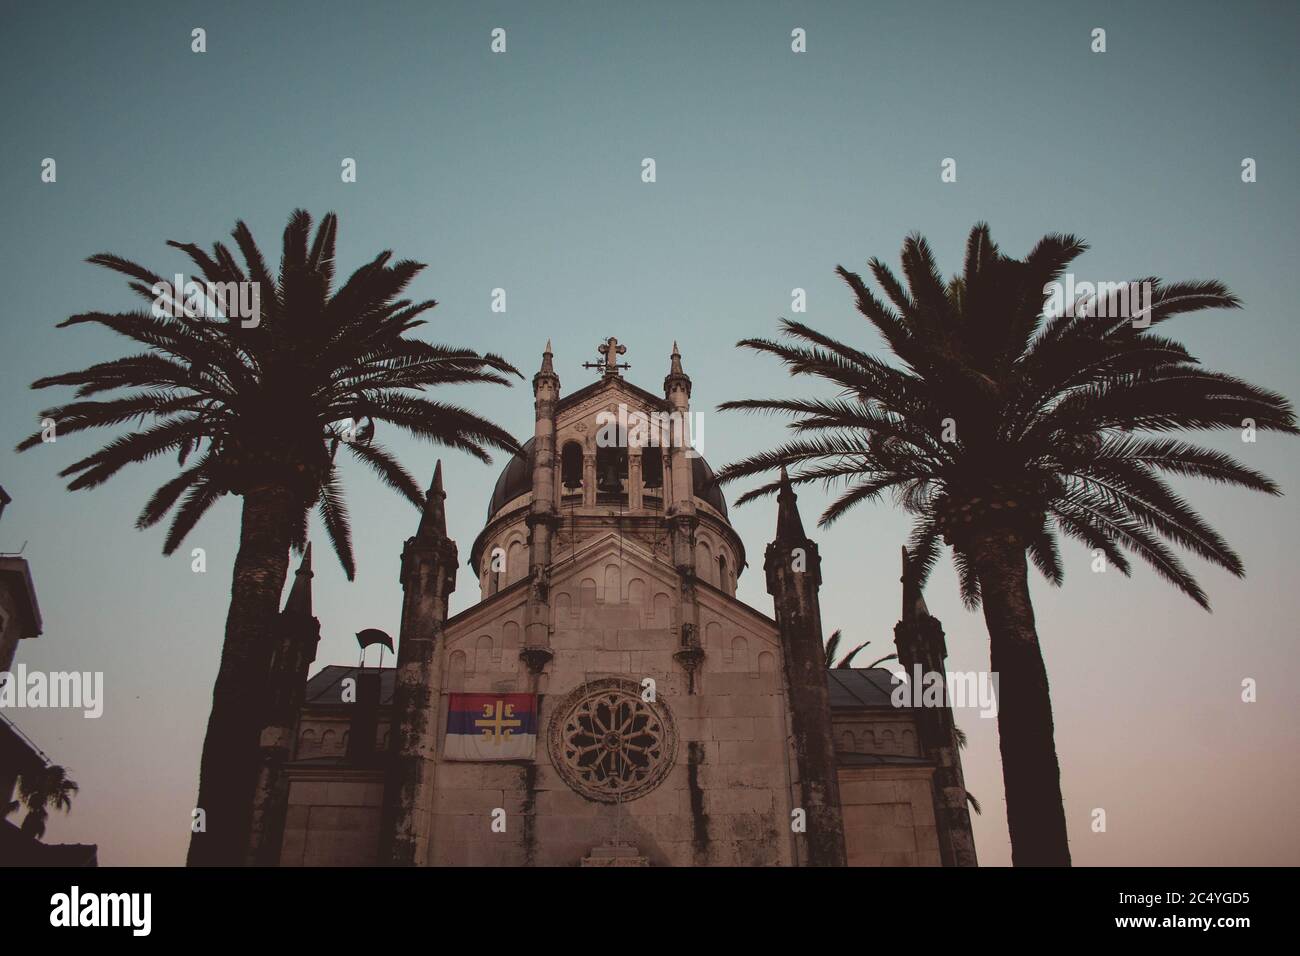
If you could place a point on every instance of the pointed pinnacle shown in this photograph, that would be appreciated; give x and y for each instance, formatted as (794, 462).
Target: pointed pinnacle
(433, 521)
(789, 526)
(299, 600)
(676, 366)
(914, 607)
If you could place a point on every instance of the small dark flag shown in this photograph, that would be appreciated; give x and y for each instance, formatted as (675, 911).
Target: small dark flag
(373, 635)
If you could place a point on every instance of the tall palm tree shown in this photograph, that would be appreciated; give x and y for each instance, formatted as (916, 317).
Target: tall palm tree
(1002, 425)
(40, 792)
(258, 406)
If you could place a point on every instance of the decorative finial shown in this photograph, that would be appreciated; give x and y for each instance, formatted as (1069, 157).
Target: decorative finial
(610, 349)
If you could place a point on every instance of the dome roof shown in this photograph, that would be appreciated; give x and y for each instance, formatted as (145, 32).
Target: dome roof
(516, 480)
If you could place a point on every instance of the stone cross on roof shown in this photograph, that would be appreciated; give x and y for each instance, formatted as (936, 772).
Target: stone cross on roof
(611, 349)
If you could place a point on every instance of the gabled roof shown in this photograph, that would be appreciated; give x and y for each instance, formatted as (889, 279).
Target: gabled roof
(654, 402)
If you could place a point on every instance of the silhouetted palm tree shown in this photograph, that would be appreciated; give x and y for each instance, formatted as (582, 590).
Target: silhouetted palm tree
(41, 791)
(845, 662)
(262, 403)
(1005, 425)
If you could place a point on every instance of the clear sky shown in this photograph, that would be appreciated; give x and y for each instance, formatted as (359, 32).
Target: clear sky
(522, 171)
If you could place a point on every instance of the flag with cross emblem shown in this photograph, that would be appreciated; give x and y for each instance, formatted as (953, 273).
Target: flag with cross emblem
(491, 727)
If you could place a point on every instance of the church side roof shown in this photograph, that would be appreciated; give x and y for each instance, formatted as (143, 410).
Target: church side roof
(853, 688)
(325, 687)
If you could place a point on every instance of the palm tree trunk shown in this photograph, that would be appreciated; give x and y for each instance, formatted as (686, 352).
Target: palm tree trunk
(229, 765)
(1030, 770)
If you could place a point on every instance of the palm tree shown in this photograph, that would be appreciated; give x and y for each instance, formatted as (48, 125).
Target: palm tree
(41, 791)
(258, 406)
(833, 646)
(1005, 425)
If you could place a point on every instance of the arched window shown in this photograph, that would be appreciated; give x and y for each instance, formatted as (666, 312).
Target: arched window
(652, 467)
(571, 466)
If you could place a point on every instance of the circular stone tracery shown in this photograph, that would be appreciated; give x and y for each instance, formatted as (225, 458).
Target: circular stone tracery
(609, 744)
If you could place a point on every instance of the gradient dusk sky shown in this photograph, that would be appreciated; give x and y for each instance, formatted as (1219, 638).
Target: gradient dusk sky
(522, 171)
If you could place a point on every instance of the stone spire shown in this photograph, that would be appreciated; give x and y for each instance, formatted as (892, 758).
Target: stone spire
(793, 569)
(299, 601)
(921, 652)
(297, 634)
(789, 526)
(914, 608)
(677, 379)
(543, 519)
(683, 519)
(429, 565)
(546, 374)
(433, 520)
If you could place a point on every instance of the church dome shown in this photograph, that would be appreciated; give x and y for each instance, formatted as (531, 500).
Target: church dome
(516, 480)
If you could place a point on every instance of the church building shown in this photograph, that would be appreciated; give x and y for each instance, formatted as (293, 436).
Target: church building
(608, 701)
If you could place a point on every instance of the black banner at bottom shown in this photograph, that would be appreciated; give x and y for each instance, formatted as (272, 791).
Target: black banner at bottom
(330, 906)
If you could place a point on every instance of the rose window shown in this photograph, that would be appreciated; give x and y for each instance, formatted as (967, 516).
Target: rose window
(609, 744)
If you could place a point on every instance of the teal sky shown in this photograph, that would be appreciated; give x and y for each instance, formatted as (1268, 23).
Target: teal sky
(522, 171)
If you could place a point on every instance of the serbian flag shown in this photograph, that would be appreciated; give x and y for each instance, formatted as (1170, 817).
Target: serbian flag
(491, 727)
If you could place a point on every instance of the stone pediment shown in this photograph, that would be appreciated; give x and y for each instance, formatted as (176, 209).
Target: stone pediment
(606, 393)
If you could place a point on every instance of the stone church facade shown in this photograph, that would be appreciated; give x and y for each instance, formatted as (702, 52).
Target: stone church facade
(675, 725)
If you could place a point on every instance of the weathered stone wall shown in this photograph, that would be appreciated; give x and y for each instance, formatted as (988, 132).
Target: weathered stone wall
(889, 816)
(877, 735)
(725, 800)
(333, 818)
